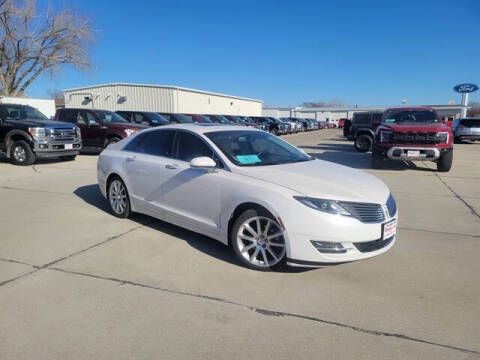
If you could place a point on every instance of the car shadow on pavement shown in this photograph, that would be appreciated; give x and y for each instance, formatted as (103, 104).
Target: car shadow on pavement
(346, 154)
(91, 194)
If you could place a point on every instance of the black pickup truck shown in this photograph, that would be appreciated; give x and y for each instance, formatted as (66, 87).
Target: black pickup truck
(26, 135)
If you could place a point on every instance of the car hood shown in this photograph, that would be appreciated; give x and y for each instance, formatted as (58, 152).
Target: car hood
(40, 123)
(322, 179)
(416, 127)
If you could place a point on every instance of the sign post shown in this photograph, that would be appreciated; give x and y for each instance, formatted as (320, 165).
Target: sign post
(465, 89)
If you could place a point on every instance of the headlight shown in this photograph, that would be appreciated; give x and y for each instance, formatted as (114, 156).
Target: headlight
(37, 132)
(130, 131)
(79, 133)
(443, 136)
(385, 136)
(328, 206)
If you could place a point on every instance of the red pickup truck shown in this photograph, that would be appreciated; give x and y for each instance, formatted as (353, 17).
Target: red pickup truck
(412, 134)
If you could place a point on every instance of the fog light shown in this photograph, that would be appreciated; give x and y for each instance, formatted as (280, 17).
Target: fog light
(43, 146)
(329, 247)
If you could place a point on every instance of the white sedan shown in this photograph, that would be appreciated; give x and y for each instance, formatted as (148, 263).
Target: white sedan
(270, 201)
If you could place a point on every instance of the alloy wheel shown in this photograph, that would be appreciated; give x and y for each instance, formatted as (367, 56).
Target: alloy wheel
(261, 242)
(19, 153)
(118, 197)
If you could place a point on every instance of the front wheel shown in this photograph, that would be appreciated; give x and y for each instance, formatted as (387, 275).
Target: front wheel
(257, 240)
(21, 153)
(444, 164)
(363, 143)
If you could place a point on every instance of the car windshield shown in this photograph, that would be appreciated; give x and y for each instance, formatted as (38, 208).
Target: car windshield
(475, 123)
(21, 112)
(219, 119)
(411, 117)
(109, 117)
(204, 119)
(236, 119)
(156, 118)
(256, 148)
(183, 118)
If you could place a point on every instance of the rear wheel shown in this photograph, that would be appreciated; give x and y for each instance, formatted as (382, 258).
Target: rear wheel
(118, 198)
(21, 153)
(363, 143)
(257, 240)
(444, 164)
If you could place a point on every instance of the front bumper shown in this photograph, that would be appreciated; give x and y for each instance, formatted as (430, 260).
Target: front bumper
(359, 240)
(401, 153)
(46, 148)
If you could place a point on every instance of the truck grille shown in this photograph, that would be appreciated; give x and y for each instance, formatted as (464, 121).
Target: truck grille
(391, 206)
(369, 246)
(365, 212)
(415, 138)
(63, 134)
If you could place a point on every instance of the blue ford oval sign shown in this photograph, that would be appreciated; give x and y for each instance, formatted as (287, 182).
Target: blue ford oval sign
(465, 88)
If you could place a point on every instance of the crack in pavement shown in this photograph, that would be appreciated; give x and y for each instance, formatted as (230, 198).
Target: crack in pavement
(34, 190)
(268, 312)
(438, 232)
(45, 266)
(470, 207)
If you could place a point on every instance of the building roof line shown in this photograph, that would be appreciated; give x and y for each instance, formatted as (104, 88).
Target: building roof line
(162, 87)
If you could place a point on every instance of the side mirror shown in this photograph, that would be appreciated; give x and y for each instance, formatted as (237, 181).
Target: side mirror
(203, 162)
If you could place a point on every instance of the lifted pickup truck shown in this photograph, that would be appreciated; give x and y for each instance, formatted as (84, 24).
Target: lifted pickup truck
(26, 135)
(412, 134)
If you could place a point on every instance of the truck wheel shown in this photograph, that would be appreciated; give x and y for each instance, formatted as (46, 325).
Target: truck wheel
(376, 160)
(112, 140)
(444, 164)
(68, 157)
(363, 143)
(275, 132)
(21, 153)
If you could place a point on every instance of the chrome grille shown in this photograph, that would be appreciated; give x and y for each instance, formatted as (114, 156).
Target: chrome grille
(415, 138)
(365, 212)
(391, 206)
(63, 134)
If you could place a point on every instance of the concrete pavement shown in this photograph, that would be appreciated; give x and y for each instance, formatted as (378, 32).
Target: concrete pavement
(76, 282)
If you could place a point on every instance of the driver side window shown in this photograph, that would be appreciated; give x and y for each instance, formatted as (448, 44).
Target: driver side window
(189, 146)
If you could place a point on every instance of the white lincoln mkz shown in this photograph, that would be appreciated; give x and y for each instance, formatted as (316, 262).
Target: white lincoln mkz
(270, 201)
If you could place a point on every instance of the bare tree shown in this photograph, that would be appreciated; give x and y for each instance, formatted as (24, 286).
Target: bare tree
(331, 103)
(31, 44)
(474, 109)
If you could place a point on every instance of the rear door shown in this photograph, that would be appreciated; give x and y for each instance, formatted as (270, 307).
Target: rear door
(148, 154)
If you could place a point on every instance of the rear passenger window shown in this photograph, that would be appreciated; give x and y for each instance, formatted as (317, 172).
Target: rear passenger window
(362, 119)
(189, 146)
(158, 143)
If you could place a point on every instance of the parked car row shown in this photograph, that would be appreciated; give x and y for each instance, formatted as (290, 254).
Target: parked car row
(408, 134)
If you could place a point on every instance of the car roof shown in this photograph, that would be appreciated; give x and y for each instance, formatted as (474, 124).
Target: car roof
(202, 128)
(410, 108)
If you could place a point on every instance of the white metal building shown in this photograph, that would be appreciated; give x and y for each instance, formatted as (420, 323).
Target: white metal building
(158, 98)
(45, 106)
(332, 114)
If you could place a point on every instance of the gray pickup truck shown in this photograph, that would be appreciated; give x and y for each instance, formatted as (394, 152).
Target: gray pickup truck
(26, 135)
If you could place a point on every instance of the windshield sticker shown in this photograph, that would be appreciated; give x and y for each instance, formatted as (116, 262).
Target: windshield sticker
(389, 120)
(248, 159)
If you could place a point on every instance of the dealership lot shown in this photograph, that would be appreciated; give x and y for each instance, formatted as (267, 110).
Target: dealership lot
(76, 282)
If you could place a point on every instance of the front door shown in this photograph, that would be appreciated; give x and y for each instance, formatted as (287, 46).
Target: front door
(191, 197)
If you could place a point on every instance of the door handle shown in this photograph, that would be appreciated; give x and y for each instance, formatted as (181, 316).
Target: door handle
(171, 166)
(130, 159)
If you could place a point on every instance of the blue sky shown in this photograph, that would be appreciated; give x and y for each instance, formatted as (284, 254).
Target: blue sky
(285, 52)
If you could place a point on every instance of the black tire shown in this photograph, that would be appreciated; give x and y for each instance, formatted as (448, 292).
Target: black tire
(21, 153)
(275, 132)
(233, 241)
(363, 143)
(376, 160)
(68, 157)
(444, 164)
(125, 211)
(112, 140)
